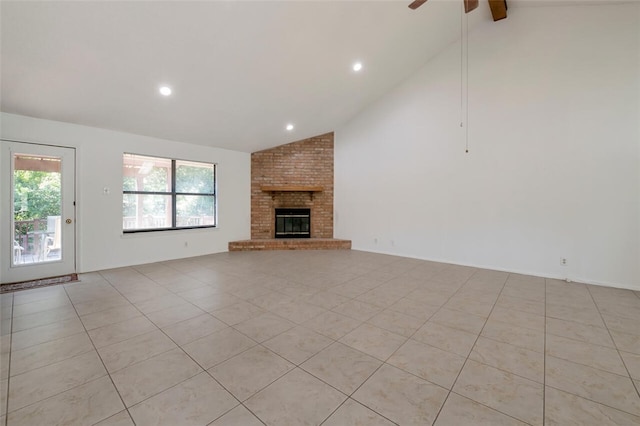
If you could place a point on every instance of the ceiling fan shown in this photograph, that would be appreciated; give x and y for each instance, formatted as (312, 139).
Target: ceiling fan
(498, 7)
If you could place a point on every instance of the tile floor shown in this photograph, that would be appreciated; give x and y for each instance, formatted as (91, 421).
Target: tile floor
(321, 337)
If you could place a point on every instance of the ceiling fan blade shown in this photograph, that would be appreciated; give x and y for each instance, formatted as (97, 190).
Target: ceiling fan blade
(470, 5)
(416, 4)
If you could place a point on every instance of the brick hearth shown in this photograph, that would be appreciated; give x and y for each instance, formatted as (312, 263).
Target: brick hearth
(290, 244)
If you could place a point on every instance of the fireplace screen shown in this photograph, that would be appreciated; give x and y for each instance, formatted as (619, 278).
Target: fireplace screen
(293, 223)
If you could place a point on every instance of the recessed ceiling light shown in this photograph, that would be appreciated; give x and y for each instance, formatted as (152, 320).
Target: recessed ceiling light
(357, 66)
(165, 90)
(289, 127)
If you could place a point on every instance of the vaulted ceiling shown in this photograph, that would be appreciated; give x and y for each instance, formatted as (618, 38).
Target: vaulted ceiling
(240, 70)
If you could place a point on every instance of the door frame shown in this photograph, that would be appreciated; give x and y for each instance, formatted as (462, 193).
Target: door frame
(8, 272)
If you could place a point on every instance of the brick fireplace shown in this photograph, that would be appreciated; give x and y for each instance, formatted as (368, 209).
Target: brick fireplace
(297, 175)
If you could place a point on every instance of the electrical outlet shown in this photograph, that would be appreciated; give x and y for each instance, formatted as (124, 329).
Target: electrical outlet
(563, 261)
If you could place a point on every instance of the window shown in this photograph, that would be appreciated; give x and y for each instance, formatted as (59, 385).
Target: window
(161, 193)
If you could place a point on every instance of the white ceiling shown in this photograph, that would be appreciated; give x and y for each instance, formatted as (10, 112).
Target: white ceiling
(240, 70)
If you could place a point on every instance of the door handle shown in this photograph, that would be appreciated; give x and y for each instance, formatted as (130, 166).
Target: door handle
(68, 221)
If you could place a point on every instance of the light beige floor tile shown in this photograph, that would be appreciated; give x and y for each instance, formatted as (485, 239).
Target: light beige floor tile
(5, 326)
(239, 416)
(110, 316)
(160, 303)
(196, 401)
(298, 344)
(192, 329)
(594, 384)
(533, 294)
(169, 316)
(414, 308)
(286, 402)
(526, 338)
(446, 338)
(326, 299)
(45, 333)
(579, 331)
(511, 302)
(89, 292)
(5, 356)
(632, 362)
(114, 333)
(516, 360)
(518, 318)
(350, 289)
(430, 363)
(98, 305)
(357, 309)
(380, 298)
(459, 320)
(216, 301)
(82, 405)
(332, 324)
(38, 319)
(565, 409)
(342, 367)
(396, 322)
(584, 315)
(585, 353)
(373, 341)
(238, 312)
(121, 419)
(218, 347)
(247, 373)
(432, 296)
(299, 291)
(128, 352)
(624, 325)
(401, 397)
(250, 291)
(152, 376)
(50, 352)
(38, 384)
(4, 388)
(355, 414)
(195, 294)
(502, 391)
(626, 342)
(458, 411)
(272, 300)
(38, 294)
(298, 311)
(264, 327)
(142, 292)
(41, 305)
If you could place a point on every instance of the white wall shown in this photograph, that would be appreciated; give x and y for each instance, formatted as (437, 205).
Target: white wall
(100, 241)
(554, 164)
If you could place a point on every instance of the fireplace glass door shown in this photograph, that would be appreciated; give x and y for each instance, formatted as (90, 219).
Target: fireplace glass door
(293, 223)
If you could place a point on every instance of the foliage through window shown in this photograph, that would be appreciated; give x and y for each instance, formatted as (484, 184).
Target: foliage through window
(161, 193)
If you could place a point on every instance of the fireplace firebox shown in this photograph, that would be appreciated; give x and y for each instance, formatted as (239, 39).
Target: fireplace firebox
(293, 223)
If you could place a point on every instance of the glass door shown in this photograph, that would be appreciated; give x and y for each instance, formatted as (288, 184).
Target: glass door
(39, 194)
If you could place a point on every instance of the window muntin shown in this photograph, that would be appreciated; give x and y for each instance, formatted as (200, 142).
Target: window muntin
(161, 193)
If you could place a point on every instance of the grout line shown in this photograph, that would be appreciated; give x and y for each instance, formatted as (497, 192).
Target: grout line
(633, 383)
(101, 360)
(474, 343)
(10, 353)
(544, 359)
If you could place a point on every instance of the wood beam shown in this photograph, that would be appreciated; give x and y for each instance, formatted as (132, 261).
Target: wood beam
(498, 9)
(416, 4)
(470, 5)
